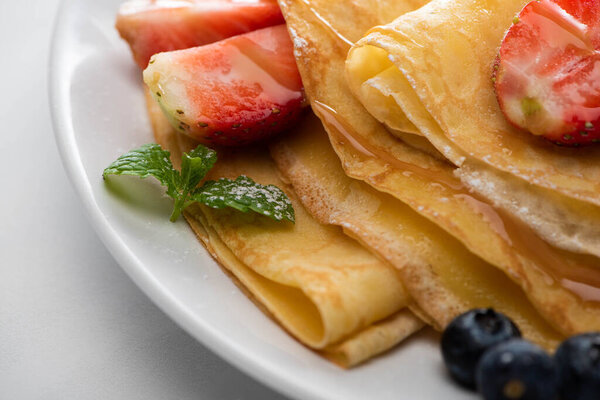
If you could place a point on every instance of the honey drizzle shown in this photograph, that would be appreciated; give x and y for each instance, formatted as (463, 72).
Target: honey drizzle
(327, 24)
(579, 274)
(329, 116)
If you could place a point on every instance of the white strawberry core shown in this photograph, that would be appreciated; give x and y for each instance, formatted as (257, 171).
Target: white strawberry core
(167, 83)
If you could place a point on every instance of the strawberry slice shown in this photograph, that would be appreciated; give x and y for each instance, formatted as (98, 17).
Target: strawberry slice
(547, 75)
(154, 26)
(231, 92)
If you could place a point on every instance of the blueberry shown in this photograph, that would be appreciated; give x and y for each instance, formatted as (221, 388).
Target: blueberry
(517, 370)
(578, 360)
(468, 336)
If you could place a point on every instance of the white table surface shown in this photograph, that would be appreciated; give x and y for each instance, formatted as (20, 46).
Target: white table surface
(72, 324)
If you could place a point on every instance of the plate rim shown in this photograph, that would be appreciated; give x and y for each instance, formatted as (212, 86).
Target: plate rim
(65, 138)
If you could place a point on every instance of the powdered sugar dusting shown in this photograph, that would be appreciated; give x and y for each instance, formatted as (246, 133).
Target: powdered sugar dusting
(244, 194)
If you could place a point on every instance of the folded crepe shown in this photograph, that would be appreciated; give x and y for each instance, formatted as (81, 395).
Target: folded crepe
(446, 51)
(444, 278)
(561, 285)
(322, 286)
(434, 82)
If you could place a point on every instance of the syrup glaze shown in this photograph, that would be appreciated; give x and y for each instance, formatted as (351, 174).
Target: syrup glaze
(578, 274)
(328, 26)
(332, 118)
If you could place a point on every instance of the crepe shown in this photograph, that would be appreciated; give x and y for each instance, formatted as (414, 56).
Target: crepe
(446, 50)
(323, 287)
(562, 286)
(444, 278)
(563, 222)
(417, 87)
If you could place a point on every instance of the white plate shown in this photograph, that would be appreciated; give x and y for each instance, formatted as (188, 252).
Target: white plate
(99, 113)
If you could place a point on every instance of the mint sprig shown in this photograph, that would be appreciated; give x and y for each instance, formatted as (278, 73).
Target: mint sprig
(242, 194)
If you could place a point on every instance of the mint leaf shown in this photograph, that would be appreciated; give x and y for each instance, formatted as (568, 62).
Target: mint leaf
(195, 165)
(244, 194)
(148, 160)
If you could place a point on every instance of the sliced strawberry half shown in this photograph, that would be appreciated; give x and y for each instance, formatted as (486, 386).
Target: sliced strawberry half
(154, 26)
(231, 92)
(547, 75)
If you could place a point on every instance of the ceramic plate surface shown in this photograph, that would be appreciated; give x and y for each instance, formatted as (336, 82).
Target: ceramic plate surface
(99, 113)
